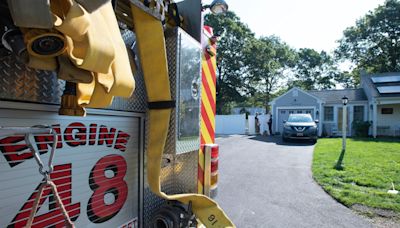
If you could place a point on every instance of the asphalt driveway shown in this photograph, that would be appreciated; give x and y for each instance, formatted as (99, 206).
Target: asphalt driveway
(264, 182)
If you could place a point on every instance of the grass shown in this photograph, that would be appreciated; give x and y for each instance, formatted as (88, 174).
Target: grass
(370, 167)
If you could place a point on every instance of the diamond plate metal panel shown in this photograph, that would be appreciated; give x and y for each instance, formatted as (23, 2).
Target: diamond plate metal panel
(171, 43)
(180, 176)
(127, 35)
(20, 83)
(185, 170)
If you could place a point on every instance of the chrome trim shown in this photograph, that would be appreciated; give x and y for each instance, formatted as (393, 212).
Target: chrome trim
(141, 169)
(300, 129)
(207, 170)
(20, 105)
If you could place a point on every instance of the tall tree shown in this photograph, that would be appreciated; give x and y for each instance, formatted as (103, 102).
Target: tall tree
(347, 79)
(373, 44)
(314, 70)
(230, 58)
(266, 60)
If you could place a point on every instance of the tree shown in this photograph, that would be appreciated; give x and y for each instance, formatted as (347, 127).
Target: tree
(266, 60)
(314, 70)
(373, 44)
(253, 99)
(347, 79)
(231, 69)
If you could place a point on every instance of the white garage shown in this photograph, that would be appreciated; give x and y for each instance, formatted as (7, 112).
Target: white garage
(283, 114)
(294, 101)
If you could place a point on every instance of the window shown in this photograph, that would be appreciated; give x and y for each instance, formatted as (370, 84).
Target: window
(291, 112)
(300, 118)
(328, 113)
(299, 111)
(308, 112)
(387, 111)
(358, 113)
(283, 112)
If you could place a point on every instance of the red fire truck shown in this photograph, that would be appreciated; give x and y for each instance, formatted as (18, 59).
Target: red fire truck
(78, 148)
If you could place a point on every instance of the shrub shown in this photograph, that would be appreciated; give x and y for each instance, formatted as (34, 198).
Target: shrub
(361, 128)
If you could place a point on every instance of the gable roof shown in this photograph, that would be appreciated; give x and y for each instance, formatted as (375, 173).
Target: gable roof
(335, 96)
(293, 89)
(373, 87)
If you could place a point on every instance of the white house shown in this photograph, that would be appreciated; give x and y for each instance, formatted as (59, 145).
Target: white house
(377, 100)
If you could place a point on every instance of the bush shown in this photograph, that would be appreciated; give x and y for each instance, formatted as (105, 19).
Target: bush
(361, 128)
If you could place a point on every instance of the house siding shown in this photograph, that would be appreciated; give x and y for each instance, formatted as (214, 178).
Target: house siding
(332, 128)
(365, 84)
(293, 99)
(302, 99)
(389, 124)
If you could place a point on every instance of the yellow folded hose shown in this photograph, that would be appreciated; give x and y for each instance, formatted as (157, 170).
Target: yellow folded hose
(67, 71)
(95, 56)
(89, 46)
(95, 44)
(151, 44)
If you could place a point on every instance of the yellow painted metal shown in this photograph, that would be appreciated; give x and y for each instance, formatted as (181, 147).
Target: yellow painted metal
(200, 172)
(34, 34)
(152, 52)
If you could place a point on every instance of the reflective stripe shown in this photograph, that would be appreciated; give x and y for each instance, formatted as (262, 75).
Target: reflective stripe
(208, 98)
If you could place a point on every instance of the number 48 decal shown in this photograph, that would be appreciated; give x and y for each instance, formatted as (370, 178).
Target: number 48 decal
(98, 211)
(106, 177)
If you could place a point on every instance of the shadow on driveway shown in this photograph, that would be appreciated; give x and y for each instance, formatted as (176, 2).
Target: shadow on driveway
(278, 141)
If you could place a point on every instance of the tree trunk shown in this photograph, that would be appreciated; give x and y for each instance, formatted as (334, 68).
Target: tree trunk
(267, 98)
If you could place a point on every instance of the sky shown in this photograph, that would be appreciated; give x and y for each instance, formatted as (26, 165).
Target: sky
(316, 24)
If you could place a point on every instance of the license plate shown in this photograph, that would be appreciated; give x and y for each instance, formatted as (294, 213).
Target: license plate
(300, 134)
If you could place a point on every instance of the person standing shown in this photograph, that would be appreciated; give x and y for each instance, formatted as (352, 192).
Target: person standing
(270, 125)
(246, 131)
(257, 124)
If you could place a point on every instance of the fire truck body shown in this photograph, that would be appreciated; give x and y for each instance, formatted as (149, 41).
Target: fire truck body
(100, 160)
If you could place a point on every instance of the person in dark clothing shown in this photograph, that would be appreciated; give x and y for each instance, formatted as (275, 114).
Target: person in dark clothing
(270, 125)
(257, 124)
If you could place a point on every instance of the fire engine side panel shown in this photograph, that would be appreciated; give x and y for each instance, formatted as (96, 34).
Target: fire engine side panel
(97, 168)
(21, 86)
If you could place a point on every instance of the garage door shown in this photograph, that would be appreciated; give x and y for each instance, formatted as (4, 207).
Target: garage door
(283, 114)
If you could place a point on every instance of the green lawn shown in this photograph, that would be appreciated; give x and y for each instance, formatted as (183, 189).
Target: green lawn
(370, 166)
